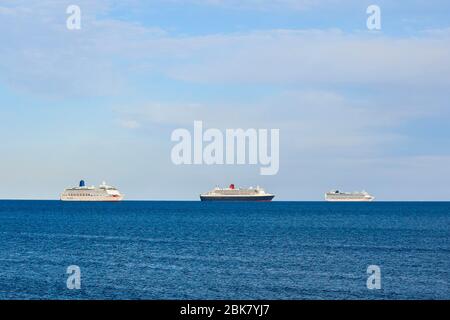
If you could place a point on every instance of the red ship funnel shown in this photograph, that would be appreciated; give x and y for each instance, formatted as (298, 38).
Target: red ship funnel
(232, 186)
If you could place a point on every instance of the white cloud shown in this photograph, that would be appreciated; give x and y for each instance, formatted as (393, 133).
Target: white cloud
(305, 57)
(42, 56)
(311, 121)
(129, 124)
(106, 55)
(260, 4)
(314, 57)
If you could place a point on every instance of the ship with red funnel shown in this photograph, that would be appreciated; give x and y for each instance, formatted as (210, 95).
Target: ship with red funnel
(236, 194)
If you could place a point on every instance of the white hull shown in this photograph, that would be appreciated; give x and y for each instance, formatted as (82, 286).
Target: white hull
(337, 196)
(351, 200)
(92, 199)
(103, 193)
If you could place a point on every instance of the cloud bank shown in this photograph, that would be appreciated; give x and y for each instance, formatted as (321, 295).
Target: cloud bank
(353, 107)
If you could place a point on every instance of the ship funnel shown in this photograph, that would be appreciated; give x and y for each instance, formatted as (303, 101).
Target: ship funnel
(232, 186)
(82, 184)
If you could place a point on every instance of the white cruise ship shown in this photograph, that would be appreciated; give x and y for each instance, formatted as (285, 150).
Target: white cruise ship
(337, 195)
(236, 194)
(84, 193)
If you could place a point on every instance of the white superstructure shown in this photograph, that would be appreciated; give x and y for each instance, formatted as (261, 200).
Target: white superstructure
(236, 194)
(84, 193)
(336, 195)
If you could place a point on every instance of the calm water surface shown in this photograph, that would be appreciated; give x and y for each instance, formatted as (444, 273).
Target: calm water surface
(194, 250)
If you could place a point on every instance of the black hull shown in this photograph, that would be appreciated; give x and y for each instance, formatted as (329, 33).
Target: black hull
(240, 198)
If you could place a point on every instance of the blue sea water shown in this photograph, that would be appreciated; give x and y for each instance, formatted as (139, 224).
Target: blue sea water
(195, 250)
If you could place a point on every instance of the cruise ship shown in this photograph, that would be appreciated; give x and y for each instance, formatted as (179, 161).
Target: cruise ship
(84, 193)
(337, 195)
(236, 194)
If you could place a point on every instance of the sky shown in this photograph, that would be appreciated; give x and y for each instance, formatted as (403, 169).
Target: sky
(356, 108)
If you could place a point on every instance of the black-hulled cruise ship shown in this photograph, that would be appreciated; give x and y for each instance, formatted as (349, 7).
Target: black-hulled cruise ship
(236, 194)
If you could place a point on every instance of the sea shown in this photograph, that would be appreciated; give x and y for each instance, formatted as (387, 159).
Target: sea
(214, 250)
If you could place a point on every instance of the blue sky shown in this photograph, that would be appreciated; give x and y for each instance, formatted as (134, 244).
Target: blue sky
(356, 109)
